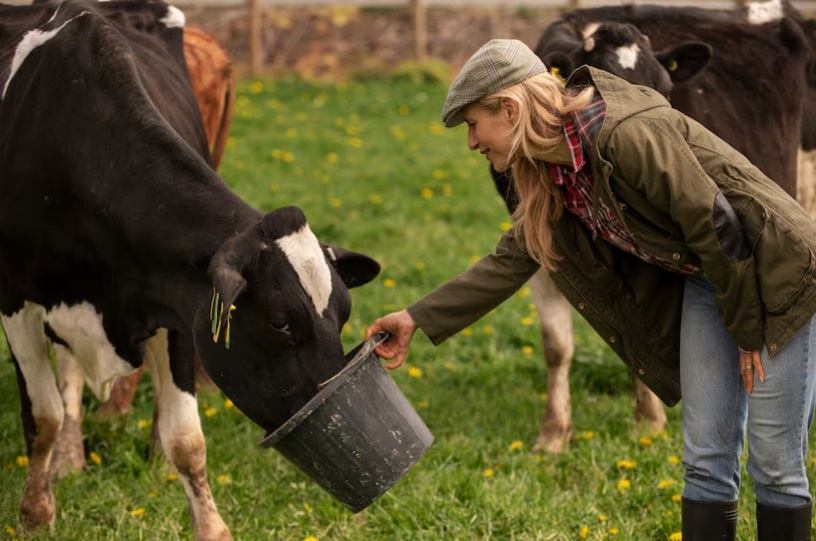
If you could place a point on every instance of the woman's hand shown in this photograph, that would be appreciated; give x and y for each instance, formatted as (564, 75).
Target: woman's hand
(402, 328)
(750, 365)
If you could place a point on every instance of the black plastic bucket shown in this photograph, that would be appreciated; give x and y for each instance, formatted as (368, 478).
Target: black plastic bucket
(358, 436)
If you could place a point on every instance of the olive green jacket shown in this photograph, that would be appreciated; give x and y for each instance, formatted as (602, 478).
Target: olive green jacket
(684, 195)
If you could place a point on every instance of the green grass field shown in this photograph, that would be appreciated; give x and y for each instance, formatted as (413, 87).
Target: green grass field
(375, 172)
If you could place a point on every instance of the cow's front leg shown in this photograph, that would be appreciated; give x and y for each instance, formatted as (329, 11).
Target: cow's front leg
(42, 410)
(555, 318)
(180, 429)
(69, 453)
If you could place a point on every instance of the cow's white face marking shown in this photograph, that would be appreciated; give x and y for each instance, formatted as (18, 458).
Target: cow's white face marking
(31, 40)
(303, 251)
(765, 12)
(174, 18)
(628, 56)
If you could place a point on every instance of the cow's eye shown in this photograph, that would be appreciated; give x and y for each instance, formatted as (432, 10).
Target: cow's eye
(282, 328)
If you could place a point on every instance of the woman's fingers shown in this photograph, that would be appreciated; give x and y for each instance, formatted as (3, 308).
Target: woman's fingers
(751, 368)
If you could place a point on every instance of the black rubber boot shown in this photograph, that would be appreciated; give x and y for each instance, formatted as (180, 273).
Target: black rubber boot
(709, 521)
(783, 523)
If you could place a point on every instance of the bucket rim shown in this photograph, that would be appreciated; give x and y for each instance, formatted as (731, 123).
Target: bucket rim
(270, 439)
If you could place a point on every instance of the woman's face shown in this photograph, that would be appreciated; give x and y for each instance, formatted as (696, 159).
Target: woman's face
(491, 133)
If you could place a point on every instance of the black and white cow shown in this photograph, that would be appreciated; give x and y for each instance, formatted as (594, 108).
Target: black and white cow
(753, 93)
(117, 237)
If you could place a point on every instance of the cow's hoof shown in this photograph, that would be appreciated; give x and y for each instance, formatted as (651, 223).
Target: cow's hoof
(38, 511)
(553, 440)
(69, 453)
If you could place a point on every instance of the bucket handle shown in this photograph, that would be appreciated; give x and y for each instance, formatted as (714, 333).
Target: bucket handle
(366, 349)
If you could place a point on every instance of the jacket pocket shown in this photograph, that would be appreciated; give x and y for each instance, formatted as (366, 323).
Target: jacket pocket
(784, 262)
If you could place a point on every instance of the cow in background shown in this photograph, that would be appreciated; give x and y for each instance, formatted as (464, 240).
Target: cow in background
(119, 240)
(754, 94)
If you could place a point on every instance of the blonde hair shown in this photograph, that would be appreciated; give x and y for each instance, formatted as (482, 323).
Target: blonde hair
(543, 104)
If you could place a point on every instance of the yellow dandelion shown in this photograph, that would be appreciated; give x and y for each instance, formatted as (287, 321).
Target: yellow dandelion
(144, 423)
(440, 174)
(398, 133)
(447, 190)
(404, 110)
(22, 461)
(311, 538)
(288, 157)
(422, 404)
(151, 494)
(645, 441)
(256, 88)
(674, 460)
(10, 531)
(488, 472)
(426, 193)
(677, 498)
(613, 531)
(524, 292)
(210, 412)
(473, 259)
(292, 133)
(676, 536)
(488, 330)
(584, 532)
(516, 445)
(626, 464)
(602, 518)
(437, 129)
(353, 130)
(172, 477)
(376, 199)
(624, 484)
(224, 479)
(95, 458)
(666, 483)
(415, 372)
(543, 397)
(331, 157)
(139, 511)
(355, 142)
(505, 226)
(527, 350)
(336, 203)
(664, 435)
(526, 321)
(228, 404)
(278, 154)
(307, 507)
(389, 283)
(420, 266)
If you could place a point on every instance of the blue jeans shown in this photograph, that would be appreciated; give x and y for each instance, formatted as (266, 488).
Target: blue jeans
(717, 410)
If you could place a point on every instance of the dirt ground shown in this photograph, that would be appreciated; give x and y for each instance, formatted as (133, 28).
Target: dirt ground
(330, 43)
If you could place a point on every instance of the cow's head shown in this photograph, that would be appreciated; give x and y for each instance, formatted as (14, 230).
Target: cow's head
(289, 297)
(621, 49)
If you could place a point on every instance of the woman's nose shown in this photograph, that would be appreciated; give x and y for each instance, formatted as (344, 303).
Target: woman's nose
(473, 144)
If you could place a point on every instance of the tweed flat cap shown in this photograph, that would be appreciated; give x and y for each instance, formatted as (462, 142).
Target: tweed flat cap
(499, 63)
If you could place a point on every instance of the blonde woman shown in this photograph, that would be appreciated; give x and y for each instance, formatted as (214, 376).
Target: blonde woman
(694, 266)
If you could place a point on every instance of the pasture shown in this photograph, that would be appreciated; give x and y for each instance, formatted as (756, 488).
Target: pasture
(375, 171)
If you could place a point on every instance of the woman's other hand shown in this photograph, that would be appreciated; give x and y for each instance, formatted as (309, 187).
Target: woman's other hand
(750, 365)
(402, 328)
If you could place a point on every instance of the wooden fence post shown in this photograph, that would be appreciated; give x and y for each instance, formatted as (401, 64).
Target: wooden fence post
(420, 28)
(255, 41)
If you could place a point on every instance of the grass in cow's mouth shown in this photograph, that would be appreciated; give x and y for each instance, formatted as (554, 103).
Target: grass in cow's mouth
(375, 171)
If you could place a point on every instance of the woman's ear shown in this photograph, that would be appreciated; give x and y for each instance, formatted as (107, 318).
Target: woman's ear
(510, 108)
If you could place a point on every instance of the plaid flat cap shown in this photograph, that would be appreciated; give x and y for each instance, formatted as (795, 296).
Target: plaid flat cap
(499, 63)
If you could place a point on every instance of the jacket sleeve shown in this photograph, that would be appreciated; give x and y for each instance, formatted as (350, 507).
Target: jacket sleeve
(464, 299)
(653, 156)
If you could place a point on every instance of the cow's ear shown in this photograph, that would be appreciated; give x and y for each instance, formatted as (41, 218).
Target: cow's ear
(685, 60)
(354, 269)
(227, 283)
(559, 63)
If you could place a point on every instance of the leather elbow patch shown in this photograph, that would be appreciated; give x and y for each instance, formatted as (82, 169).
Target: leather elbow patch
(729, 229)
